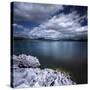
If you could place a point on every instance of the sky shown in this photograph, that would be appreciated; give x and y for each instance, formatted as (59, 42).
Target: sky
(49, 20)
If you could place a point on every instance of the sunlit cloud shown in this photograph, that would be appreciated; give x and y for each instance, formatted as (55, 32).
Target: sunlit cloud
(67, 25)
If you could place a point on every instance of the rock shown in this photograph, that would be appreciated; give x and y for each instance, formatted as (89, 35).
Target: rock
(25, 61)
(27, 74)
(36, 77)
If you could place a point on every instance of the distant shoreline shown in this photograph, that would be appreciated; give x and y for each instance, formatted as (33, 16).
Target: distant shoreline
(42, 39)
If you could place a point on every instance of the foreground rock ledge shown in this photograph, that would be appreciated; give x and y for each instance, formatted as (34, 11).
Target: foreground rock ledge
(36, 77)
(25, 61)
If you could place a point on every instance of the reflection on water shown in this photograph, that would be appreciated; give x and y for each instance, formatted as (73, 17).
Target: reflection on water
(69, 55)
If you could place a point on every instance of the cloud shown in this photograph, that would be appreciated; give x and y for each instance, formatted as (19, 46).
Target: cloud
(32, 11)
(18, 26)
(51, 25)
(67, 25)
(20, 30)
(64, 22)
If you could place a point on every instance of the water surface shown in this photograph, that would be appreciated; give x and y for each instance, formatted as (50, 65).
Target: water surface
(70, 56)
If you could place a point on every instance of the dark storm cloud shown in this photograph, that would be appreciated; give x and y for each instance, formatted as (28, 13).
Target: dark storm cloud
(34, 12)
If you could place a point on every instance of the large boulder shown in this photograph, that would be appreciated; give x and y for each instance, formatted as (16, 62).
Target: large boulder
(25, 61)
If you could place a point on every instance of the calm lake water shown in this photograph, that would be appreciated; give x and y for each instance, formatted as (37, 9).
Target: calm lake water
(70, 56)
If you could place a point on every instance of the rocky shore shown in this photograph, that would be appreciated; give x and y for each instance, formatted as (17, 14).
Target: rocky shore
(26, 73)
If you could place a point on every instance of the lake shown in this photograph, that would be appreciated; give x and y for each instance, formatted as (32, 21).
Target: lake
(69, 56)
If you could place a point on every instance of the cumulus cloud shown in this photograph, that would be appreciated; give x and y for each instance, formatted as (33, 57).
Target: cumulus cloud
(18, 26)
(64, 22)
(32, 11)
(67, 25)
(20, 30)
